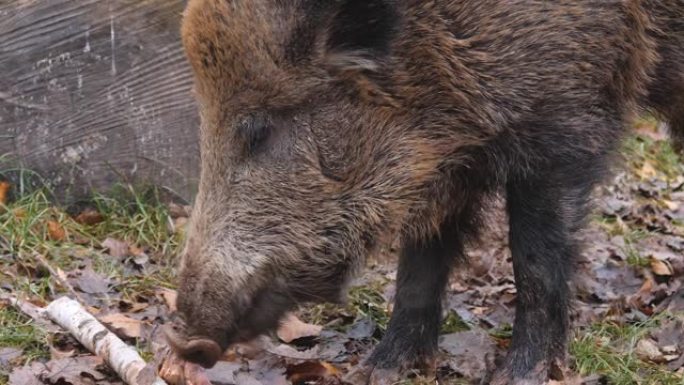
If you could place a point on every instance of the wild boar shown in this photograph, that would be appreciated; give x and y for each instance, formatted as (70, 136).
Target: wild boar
(330, 127)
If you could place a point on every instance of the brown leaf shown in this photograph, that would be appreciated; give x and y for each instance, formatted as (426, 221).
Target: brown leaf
(178, 211)
(19, 212)
(647, 171)
(92, 282)
(8, 355)
(224, 372)
(124, 326)
(292, 328)
(136, 251)
(89, 217)
(57, 353)
(169, 297)
(140, 258)
(647, 350)
(674, 206)
(4, 191)
(179, 225)
(116, 248)
(311, 371)
(468, 352)
(73, 370)
(175, 371)
(27, 375)
(55, 231)
(287, 351)
(132, 307)
(661, 268)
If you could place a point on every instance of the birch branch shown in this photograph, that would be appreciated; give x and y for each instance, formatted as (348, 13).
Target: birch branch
(36, 313)
(70, 315)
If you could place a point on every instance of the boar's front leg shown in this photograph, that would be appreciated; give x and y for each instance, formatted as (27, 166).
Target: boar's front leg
(545, 212)
(411, 338)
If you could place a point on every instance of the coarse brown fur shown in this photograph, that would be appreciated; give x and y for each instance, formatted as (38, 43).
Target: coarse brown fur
(331, 126)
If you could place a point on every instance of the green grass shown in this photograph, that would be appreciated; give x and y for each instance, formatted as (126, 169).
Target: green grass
(18, 331)
(607, 349)
(640, 149)
(453, 323)
(368, 302)
(138, 218)
(505, 331)
(634, 258)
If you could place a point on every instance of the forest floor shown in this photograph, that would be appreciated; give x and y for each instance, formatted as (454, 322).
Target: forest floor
(118, 255)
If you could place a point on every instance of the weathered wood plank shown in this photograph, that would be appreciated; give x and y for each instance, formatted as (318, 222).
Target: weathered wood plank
(94, 91)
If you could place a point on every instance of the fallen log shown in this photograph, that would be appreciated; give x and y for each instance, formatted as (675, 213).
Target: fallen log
(125, 361)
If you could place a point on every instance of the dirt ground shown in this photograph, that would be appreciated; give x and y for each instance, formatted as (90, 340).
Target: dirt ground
(117, 256)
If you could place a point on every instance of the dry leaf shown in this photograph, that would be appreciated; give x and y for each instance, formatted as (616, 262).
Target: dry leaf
(89, 217)
(8, 355)
(4, 191)
(468, 351)
(73, 370)
(292, 328)
(179, 225)
(19, 212)
(132, 307)
(661, 268)
(27, 375)
(115, 247)
(224, 372)
(175, 371)
(169, 297)
(311, 372)
(647, 171)
(674, 206)
(126, 326)
(57, 354)
(647, 350)
(92, 282)
(55, 231)
(177, 211)
(136, 251)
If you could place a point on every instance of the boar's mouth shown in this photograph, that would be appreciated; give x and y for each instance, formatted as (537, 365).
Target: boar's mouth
(201, 351)
(204, 344)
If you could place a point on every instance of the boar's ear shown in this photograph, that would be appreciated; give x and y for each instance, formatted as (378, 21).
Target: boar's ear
(361, 33)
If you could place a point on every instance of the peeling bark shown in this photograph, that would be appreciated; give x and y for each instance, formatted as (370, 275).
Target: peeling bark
(70, 315)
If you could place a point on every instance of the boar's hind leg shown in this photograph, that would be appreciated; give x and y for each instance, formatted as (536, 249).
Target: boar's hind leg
(545, 212)
(411, 338)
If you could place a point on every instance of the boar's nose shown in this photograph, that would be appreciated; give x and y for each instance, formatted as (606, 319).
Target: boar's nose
(201, 351)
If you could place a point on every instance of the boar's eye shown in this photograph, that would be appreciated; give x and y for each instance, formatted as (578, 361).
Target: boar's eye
(254, 131)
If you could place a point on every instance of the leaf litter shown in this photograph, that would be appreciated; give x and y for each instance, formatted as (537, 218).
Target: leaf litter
(629, 301)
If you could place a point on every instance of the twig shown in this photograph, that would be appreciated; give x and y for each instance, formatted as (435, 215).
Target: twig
(73, 317)
(60, 279)
(36, 313)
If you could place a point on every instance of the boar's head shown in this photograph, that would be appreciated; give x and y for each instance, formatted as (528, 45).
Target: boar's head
(310, 159)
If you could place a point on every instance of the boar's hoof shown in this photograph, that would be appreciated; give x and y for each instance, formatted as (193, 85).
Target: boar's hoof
(506, 375)
(201, 351)
(369, 375)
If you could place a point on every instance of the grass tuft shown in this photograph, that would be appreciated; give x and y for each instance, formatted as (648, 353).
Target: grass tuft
(17, 331)
(608, 349)
(453, 323)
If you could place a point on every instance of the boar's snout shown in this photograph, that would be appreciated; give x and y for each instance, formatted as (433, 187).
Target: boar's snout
(201, 351)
